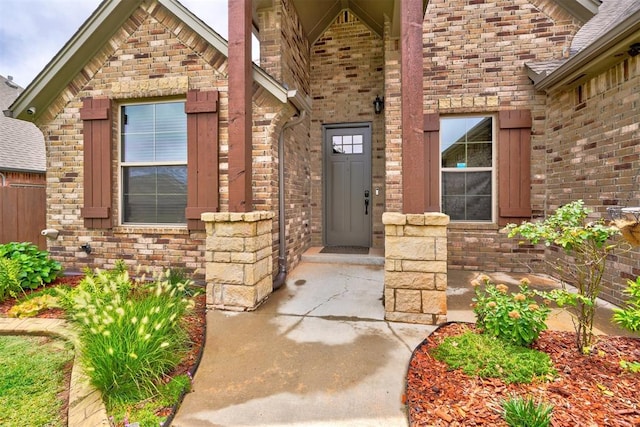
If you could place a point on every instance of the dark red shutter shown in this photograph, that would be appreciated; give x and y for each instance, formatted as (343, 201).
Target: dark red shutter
(97, 122)
(202, 156)
(514, 166)
(431, 130)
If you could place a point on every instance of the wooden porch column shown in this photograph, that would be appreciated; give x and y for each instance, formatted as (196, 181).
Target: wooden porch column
(413, 170)
(240, 108)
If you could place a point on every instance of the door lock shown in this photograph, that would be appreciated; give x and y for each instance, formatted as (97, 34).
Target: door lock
(366, 202)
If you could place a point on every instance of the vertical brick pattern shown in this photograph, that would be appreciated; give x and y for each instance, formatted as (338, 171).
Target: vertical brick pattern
(347, 65)
(593, 154)
(153, 56)
(238, 259)
(415, 277)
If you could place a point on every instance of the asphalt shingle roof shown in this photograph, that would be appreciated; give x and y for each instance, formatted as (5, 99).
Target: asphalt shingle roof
(610, 14)
(21, 143)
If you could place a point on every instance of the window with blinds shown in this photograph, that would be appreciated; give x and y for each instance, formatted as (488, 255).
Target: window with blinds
(153, 163)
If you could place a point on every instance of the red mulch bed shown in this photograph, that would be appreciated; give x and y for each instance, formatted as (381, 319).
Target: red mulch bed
(588, 390)
(195, 323)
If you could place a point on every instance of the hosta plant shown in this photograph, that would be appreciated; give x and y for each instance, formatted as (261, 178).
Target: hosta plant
(36, 268)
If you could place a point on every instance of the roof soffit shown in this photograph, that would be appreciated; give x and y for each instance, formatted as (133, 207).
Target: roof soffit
(317, 15)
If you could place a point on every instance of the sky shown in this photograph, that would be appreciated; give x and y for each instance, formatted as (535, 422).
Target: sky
(33, 31)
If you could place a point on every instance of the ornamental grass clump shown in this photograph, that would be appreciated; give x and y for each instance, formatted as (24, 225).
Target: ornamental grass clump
(526, 412)
(513, 317)
(130, 331)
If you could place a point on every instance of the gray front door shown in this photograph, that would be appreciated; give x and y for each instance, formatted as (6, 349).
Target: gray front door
(347, 190)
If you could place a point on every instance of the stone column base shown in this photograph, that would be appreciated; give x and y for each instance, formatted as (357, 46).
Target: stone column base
(238, 259)
(415, 277)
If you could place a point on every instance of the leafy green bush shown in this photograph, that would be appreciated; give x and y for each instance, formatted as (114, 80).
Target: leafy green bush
(488, 357)
(9, 278)
(519, 412)
(513, 317)
(589, 245)
(629, 316)
(36, 268)
(130, 332)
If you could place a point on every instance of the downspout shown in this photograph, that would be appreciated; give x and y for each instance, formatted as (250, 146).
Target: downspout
(282, 243)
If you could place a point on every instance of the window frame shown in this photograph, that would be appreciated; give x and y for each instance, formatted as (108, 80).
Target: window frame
(122, 165)
(492, 169)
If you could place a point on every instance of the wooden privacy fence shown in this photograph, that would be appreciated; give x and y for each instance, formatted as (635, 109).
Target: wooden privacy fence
(22, 215)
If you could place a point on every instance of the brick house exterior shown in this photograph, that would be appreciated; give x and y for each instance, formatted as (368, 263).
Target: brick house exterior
(471, 59)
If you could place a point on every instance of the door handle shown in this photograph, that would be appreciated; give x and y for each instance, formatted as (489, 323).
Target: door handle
(366, 206)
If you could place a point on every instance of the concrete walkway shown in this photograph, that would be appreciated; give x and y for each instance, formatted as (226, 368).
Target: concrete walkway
(319, 352)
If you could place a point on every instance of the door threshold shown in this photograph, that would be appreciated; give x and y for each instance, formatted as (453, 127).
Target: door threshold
(375, 256)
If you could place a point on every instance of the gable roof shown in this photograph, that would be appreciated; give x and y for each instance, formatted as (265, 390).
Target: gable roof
(91, 36)
(600, 43)
(21, 143)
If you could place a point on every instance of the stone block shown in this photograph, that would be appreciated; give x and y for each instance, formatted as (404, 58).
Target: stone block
(264, 288)
(264, 227)
(409, 280)
(419, 318)
(389, 299)
(441, 249)
(253, 273)
(441, 281)
(424, 266)
(408, 301)
(225, 273)
(394, 218)
(413, 248)
(436, 218)
(415, 219)
(243, 257)
(425, 231)
(239, 296)
(254, 244)
(221, 256)
(391, 230)
(235, 229)
(225, 244)
(434, 302)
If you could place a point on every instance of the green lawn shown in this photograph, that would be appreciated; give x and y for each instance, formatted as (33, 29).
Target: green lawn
(31, 379)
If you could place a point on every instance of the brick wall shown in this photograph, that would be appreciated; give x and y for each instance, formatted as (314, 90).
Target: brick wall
(284, 52)
(152, 56)
(593, 154)
(474, 63)
(347, 72)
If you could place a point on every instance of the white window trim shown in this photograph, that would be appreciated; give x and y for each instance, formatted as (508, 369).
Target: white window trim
(122, 165)
(493, 168)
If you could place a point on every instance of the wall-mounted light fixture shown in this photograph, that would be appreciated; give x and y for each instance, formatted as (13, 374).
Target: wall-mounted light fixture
(86, 248)
(634, 49)
(378, 105)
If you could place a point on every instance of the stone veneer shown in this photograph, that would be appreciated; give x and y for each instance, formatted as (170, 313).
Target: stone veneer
(415, 277)
(238, 259)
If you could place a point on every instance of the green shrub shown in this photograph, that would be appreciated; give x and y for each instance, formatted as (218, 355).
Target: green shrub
(519, 412)
(513, 317)
(588, 244)
(629, 316)
(9, 278)
(36, 268)
(130, 332)
(489, 357)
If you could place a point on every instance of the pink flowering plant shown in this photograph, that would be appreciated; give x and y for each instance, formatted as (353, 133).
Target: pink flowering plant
(513, 317)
